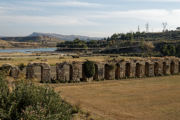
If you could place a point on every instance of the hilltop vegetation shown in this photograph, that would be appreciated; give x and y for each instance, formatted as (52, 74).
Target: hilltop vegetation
(139, 43)
(40, 40)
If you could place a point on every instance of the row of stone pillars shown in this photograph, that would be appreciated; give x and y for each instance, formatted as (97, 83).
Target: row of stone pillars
(74, 72)
(141, 69)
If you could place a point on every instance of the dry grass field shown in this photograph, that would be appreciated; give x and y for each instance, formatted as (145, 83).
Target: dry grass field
(50, 58)
(131, 99)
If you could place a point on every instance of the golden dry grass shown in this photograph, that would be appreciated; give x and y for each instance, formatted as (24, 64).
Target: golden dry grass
(139, 99)
(18, 58)
(52, 59)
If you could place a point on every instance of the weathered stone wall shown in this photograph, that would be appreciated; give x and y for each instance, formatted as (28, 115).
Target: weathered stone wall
(14, 72)
(99, 71)
(53, 73)
(63, 72)
(10, 70)
(45, 71)
(76, 72)
(110, 70)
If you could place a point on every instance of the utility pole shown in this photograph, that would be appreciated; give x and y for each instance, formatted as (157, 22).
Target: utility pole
(147, 27)
(138, 28)
(164, 24)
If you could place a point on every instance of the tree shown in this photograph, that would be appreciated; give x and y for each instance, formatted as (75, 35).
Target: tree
(89, 69)
(168, 50)
(76, 40)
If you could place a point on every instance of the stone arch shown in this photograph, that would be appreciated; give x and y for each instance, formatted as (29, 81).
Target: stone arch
(147, 69)
(95, 77)
(128, 70)
(179, 67)
(138, 70)
(106, 67)
(70, 72)
(164, 68)
(10, 70)
(172, 67)
(6, 68)
(117, 71)
(45, 71)
(156, 69)
(83, 73)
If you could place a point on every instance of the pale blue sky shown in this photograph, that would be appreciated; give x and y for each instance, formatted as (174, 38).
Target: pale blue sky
(99, 18)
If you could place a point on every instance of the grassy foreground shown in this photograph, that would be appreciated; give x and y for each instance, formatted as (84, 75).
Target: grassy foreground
(140, 99)
(26, 101)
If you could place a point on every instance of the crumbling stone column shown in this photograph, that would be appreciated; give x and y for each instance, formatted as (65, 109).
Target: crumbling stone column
(29, 72)
(45, 71)
(122, 69)
(63, 72)
(139, 69)
(166, 67)
(14, 72)
(142, 69)
(46, 75)
(99, 71)
(10, 70)
(160, 72)
(151, 70)
(76, 72)
(109, 71)
(133, 69)
(176, 68)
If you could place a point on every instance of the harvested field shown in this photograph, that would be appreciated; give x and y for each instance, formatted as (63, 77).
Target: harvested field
(131, 99)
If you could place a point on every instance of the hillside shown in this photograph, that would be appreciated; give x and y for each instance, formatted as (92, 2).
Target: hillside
(130, 44)
(31, 39)
(40, 40)
(36, 41)
(64, 37)
(4, 44)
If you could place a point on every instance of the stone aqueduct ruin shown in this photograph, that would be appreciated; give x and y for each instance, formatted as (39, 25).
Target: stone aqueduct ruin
(73, 72)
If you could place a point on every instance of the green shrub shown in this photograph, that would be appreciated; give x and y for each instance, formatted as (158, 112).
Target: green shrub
(30, 102)
(89, 69)
(168, 50)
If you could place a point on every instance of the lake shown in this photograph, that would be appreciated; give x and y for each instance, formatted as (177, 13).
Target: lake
(31, 50)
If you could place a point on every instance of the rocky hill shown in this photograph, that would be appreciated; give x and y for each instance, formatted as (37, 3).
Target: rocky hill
(64, 37)
(31, 41)
(4, 44)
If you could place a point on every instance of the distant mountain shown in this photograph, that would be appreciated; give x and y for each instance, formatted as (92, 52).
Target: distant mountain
(42, 41)
(64, 37)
